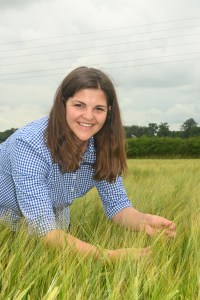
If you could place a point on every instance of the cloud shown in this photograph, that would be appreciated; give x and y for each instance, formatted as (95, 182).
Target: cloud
(12, 4)
(19, 116)
(141, 55)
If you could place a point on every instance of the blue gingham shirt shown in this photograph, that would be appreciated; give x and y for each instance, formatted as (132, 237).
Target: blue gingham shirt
(32, 185)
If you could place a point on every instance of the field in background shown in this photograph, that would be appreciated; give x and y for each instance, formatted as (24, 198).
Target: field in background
(171, 188)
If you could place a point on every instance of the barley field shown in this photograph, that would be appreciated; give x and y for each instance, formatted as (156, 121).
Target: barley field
(171, 188)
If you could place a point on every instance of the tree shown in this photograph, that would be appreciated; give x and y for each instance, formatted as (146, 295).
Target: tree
(195, 131)
(163, 129)
(152, 129)
(189, 127)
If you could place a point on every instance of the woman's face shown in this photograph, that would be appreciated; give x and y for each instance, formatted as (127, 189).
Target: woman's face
(86, 113)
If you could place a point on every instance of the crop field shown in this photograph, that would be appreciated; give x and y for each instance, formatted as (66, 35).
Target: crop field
(171, 188)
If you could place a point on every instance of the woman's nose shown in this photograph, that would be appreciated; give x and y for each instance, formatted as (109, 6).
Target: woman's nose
(88, 114)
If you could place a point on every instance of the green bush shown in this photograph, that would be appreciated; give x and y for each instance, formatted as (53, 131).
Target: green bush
(163, 147)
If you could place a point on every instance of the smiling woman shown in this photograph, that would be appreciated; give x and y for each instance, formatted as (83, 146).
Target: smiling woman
(86, 113)
(87, 97)
(50, 162)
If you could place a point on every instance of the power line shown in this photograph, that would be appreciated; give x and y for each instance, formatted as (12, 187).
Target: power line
(137, 59)
(133, 66)
(128, 43)
(83, 48)
(98, 39)
(155, 63)
(100, 54)
(106, 30)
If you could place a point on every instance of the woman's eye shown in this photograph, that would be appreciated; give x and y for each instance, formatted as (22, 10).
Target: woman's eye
(79, 105)
(100, 109)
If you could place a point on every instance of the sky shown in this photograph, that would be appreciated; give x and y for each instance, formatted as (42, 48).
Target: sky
(149, 48)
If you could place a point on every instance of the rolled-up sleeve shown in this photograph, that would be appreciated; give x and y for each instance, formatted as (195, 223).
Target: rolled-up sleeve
(113, 196)
(30, 175)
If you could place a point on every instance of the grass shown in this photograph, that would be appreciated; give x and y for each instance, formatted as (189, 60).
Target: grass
(171, 188)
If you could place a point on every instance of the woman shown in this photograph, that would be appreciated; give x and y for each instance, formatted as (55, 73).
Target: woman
(47, 164)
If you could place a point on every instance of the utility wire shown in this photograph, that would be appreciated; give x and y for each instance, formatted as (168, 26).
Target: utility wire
(126, 43)
(90, 47)
(110, 68)
(102, 64)
(106, 30)
(157, 63)
(112, 62)
(98, 39)
(101, 54)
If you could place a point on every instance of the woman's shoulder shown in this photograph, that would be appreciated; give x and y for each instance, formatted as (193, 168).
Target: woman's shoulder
(34, 131)
(30, 131)
(32, 134)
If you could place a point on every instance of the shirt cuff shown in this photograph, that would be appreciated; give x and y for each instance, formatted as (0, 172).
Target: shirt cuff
(41, 227)
(116, 209)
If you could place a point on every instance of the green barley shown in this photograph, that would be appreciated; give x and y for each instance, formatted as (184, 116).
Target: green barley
(29, 270)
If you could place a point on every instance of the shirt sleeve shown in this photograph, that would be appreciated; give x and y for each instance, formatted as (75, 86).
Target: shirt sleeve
(30, 171)
(113, 196)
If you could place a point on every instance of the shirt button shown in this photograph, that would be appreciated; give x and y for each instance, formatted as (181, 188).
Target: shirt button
(74, 176)
(72, 189)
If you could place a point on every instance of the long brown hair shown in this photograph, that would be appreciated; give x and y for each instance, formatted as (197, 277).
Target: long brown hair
(109, 141)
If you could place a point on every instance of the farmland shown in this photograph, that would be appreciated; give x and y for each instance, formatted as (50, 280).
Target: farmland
(171, 188)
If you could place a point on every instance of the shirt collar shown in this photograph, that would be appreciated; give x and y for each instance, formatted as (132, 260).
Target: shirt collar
(90, 153)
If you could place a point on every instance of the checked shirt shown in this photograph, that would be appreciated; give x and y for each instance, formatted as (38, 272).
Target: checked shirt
(33, 187)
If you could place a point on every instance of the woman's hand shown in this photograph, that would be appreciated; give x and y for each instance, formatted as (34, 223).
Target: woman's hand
(154, 224)
(151, 224)
(60, 239)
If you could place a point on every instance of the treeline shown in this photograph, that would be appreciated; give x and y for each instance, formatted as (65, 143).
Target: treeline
(188, 129)
(158, 141)
(5, 134)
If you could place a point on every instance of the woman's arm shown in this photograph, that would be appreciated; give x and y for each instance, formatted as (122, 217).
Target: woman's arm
(59, 239)
(118, 207)
(151, 224)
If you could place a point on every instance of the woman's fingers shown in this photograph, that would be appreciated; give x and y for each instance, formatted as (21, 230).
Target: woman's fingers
(169, 231)
(156, 224)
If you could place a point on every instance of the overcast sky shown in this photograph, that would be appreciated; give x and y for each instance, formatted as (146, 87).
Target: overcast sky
(151, 50)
